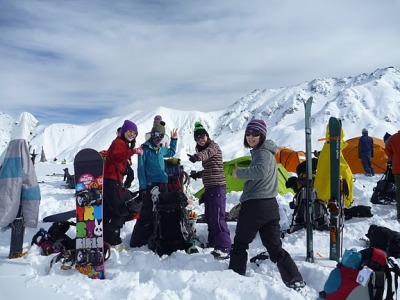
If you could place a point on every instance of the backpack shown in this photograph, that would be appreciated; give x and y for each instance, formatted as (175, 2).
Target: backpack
(361, 275)
(385, 190)
(299, 206)
(173, 229)
(177, 177)
(385, 239)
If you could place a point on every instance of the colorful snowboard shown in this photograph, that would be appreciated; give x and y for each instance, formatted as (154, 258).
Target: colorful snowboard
(88, 165)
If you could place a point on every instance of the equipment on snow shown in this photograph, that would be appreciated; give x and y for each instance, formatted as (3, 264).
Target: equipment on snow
(173, 228)
(88, 169)
(385, 190)
(335, 204)
(310, 194)
(17, 236)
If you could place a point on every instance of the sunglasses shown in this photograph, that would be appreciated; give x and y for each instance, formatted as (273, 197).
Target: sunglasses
(252, 133)
(131, 132)
(200, 137)
(157, 134)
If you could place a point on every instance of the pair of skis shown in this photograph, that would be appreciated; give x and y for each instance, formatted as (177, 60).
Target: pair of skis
(335, 204)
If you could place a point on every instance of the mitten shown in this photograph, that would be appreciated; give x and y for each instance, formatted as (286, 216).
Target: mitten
(192, 158)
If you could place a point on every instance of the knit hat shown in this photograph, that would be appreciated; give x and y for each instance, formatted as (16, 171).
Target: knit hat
(128, 125)
(364, 131)
(257, 125)
(386, 137)
(199, 130)
(158, 128)
(158, 121)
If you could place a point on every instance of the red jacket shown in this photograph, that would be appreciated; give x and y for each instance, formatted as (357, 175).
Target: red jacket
(392, 150)
(117, 159)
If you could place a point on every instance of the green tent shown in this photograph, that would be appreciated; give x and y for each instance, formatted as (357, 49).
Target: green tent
(234, 184)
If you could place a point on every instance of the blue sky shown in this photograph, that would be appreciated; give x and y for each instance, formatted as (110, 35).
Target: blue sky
(82, 61)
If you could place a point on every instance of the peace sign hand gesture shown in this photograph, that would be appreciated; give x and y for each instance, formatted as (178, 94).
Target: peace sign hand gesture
(174, 133)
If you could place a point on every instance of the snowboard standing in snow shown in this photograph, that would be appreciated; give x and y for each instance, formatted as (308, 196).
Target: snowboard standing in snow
(335, 204)
(88, 166)
(17, 236)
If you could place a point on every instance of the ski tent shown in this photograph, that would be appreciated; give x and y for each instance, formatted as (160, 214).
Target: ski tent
(289, 158)
(234, 184)
(350, 154)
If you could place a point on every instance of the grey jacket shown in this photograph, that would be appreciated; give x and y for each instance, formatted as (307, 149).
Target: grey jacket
(261, 175)
(18, 185)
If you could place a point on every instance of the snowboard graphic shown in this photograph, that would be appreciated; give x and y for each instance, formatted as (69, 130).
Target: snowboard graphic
(88, 167)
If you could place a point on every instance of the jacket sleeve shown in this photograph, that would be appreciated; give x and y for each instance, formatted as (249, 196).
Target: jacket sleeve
(257, 169)
(142, 171)
(172, 148)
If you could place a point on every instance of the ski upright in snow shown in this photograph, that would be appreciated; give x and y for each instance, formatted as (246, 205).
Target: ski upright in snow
(310, 193)
(88, 167)
(335, 204)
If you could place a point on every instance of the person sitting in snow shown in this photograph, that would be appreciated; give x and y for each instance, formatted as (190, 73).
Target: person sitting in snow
(259, 211)
(120, 150)
(151, 173)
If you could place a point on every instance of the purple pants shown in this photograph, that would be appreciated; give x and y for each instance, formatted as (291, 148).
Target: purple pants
(218, 232)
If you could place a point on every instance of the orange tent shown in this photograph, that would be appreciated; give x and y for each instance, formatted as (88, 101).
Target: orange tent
(289, 158)
(350, 154)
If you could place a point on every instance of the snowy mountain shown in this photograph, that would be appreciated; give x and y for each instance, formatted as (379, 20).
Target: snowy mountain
(370, 101)
(367, 100)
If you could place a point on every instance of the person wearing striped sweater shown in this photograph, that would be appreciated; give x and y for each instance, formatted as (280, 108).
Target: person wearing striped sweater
(209, 153)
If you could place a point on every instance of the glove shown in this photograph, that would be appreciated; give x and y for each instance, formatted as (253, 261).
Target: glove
(142, 194)
(195, 175)
(138, 151)
(192, 158)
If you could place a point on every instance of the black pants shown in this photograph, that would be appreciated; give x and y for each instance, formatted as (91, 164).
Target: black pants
(115, 213)
(261, 215)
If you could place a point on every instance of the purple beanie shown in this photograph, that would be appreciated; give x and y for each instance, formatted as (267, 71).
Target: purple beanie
(257, 125)
(128, 125)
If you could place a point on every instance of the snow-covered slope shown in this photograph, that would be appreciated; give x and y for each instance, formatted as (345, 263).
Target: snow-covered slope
(367, 100)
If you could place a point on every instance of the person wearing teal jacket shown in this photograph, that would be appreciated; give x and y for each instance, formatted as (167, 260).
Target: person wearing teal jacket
(151, 173)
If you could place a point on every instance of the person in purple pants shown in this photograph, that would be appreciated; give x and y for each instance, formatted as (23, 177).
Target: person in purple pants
(209, 153)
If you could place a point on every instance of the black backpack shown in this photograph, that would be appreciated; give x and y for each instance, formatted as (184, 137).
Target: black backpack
(385, 190)
(172, 228)
(385, 239)
(299, 206)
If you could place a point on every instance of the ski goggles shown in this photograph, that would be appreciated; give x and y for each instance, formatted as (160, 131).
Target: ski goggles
(200, 137)
(253, 133)
(157, 134)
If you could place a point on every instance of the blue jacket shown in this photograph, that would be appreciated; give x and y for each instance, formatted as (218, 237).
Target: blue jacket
(365, 146)
(151, 165)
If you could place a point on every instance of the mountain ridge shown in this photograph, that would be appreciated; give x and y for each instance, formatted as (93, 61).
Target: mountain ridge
(366, 100)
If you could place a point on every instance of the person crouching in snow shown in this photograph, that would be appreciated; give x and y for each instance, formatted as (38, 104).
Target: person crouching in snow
(259, 210)
(121, 149)
(209, 153)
